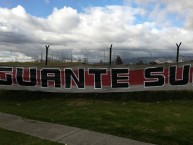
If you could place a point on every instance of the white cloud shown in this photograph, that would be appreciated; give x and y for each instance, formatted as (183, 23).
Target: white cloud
(169, 11)
(139, 29)
(63, 20)
(7, 56)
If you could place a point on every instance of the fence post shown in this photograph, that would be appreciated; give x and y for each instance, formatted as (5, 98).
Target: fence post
(47, 46)
(71, 56)
(110, 54)
(178, 48)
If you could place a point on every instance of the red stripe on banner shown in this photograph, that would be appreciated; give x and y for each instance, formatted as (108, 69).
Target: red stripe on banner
(62, 78)
(89, 79)
(136, 77)
(26, 75)
(14, 76)
(2, 75)
(38, 77)
(191, 73)
(166, 74)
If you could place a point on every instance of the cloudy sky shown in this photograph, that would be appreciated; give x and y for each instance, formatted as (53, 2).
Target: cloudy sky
(135, 27)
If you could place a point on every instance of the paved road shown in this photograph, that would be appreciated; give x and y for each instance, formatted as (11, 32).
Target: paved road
(61, 133)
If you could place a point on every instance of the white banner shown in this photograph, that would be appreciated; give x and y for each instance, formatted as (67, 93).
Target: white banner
(97, 79)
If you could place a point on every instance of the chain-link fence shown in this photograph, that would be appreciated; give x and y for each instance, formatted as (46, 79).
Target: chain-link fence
(127, 56)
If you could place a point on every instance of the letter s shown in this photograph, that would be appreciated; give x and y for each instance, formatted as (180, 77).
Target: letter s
(155, 76)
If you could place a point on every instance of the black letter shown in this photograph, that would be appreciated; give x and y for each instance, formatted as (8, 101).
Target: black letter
(97, 76)
(8, 78)
(154, 73)
(50, 74)
(115, 78)
(21, 80)
(185, 77)
(69, 74)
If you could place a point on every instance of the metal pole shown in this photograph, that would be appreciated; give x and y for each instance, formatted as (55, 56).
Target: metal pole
(110, 54)
(41, 56)
(71, 55)
(104, 55)
(178, 49)
(47, 46)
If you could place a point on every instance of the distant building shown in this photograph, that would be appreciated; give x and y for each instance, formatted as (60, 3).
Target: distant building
(162, 61)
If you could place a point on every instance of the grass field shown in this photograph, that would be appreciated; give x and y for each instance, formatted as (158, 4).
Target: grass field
(164, 118)
(14, 138)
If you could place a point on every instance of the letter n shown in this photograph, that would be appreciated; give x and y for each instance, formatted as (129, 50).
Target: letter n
(79, 81)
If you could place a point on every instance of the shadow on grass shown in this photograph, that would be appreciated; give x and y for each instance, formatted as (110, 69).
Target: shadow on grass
(153, 96)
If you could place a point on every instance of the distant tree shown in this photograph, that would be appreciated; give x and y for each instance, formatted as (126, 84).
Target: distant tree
(140, 62)
(119, 60)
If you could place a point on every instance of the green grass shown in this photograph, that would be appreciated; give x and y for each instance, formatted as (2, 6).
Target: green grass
(164, 118)
(14, 138)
